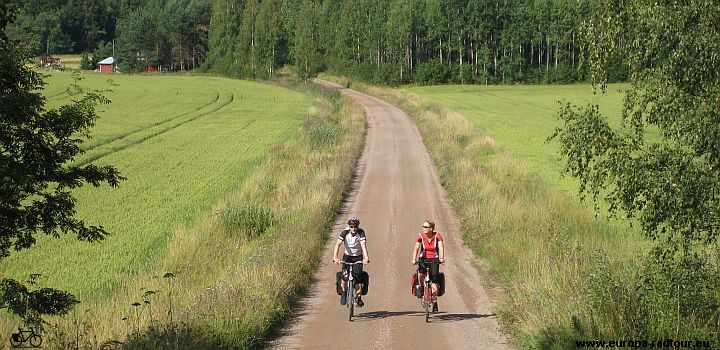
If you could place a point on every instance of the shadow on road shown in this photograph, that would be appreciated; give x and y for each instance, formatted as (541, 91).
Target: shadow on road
(458, 317)
(441, 316)
(376, 315)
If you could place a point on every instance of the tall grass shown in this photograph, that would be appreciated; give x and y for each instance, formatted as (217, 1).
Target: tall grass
(568, 274)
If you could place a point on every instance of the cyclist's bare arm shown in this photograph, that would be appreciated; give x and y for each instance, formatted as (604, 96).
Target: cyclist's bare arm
(416, 250)
(335, 252)
(441, 251)
(366, 255)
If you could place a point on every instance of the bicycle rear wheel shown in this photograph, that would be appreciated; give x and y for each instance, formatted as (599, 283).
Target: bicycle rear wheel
(15, 343)
(35, 341)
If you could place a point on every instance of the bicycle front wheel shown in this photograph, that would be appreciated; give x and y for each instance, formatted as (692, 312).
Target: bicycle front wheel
(351, 302)
(35, 341)
(428, 302)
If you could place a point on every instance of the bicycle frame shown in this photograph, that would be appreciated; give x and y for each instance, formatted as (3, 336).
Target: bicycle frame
(427, 298)
(18, 338)
(351, 292)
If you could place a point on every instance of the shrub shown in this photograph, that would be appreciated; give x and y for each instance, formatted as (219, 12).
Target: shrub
(321, 131)
(250, 220)
(433, 72)
(85, 62)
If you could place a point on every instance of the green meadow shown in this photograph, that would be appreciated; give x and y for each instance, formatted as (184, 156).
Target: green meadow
(182, 142)
(522, 117)
(204, 158)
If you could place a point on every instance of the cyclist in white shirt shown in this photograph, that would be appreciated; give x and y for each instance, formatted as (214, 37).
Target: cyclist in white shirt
(353, 237)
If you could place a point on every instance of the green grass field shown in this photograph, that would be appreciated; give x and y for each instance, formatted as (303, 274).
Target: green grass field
(193, 147)
(202, 156)
(522, 117)
(182, 142)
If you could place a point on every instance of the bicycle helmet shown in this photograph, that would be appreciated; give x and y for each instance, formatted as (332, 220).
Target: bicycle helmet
(353, 222)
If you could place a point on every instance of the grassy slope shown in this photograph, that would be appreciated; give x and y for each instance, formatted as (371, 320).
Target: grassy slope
(183, 142)
(213, 146)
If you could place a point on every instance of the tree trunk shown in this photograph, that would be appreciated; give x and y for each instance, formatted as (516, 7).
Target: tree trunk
(547, 54)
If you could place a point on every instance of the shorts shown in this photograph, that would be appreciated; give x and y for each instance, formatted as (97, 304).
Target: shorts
(357, 268)
(434, 268)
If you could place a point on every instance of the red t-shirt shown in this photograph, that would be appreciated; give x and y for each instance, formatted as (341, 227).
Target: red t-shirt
(429, 247)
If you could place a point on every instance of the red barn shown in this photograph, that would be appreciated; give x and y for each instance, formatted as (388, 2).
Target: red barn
(107, 65)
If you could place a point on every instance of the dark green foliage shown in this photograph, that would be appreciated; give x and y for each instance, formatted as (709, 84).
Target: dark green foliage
(168, 35)
(669, 184)
(85, 62)
(433, 72)
(669, 180)
(616, 69)
(306, 50)
(482, 41)
(35, 147)
(31, 305)
(103, 51)
(39, 27)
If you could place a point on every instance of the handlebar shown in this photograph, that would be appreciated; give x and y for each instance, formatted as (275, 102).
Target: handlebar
(428, 262)
(347, 263)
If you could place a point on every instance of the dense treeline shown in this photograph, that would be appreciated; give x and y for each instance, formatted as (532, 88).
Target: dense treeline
(164, 34)
(396, 41)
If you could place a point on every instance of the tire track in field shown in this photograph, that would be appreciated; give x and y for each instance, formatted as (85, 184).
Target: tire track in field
(58, 96)
(159, 123)
(139, 136)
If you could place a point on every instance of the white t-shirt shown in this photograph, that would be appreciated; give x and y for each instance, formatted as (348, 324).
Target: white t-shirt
(352, 242)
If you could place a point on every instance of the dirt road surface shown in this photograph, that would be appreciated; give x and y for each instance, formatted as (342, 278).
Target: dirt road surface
(396, 190)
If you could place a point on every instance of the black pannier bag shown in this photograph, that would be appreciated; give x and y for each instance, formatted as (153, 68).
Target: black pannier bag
(338, 286)
(441, 283)
(365, 279)
(415, 286)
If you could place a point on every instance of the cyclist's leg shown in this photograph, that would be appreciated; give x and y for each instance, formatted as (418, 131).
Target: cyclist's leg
(345, 269)
(434, 276)
(357, 270)
(422, 271)
(344, 280)
(434, 273)
(343, 284)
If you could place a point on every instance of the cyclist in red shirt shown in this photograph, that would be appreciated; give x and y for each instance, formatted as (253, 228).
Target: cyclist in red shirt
(429, 247)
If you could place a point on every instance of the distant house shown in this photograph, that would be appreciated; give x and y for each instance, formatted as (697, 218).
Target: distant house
(107, 65)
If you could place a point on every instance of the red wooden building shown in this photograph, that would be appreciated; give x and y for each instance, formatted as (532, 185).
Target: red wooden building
(107, 65)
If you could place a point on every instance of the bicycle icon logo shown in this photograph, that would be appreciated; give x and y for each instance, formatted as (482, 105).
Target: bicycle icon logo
(17, 339)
